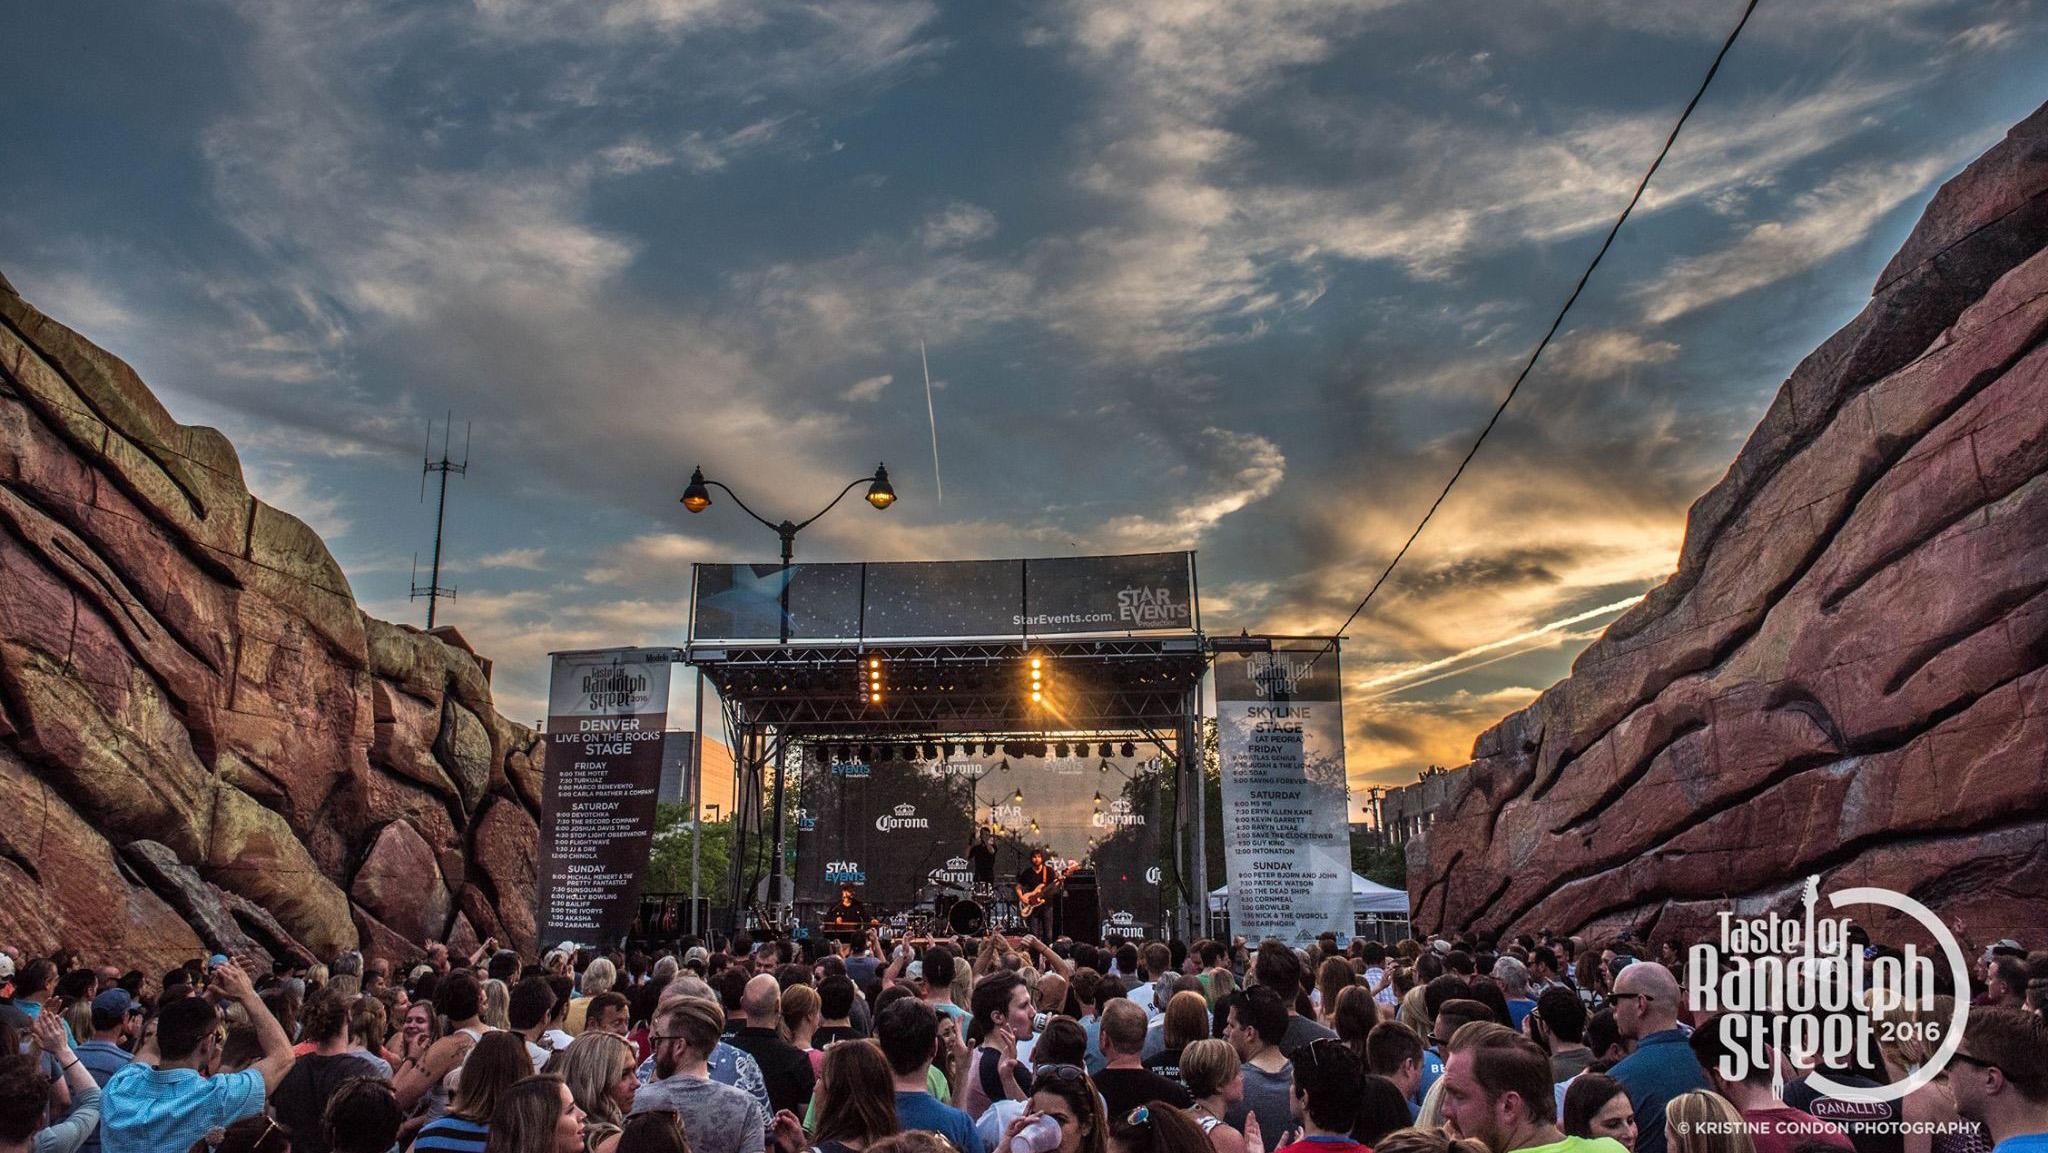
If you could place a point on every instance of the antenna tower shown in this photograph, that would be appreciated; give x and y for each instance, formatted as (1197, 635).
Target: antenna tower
(433, 590)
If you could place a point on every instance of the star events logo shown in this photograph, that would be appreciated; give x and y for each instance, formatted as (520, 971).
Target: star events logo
(850, 769)
(904, 817)
(1149, 607)
(1800, 987)
(845, 873)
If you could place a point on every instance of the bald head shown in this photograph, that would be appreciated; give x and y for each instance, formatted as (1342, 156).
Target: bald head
(762, 1002)
(1645, 999)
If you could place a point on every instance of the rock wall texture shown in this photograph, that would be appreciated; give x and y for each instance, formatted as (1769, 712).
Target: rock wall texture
(1846, 674)
(204, 744)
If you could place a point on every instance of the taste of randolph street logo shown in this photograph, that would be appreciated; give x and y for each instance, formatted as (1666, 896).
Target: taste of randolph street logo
(611, 688)
(1797, 986)
(1275, 676)
(905, 817)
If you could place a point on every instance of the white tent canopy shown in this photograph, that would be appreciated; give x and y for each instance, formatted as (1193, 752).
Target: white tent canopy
(1366, 897)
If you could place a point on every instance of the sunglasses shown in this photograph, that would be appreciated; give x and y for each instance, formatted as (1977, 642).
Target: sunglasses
(1059, 1075)
(1313, 1050)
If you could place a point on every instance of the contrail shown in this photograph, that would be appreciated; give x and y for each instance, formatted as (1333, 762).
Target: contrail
(1490, 646)
(1549, 640)
(932, 416)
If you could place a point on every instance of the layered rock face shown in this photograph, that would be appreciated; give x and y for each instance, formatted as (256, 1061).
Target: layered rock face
(204, 744)
(1846, 674)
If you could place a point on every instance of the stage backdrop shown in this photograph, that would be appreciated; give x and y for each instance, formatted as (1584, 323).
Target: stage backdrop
(896, 830)
(1286, 833)
(606, 713)
(993, 599)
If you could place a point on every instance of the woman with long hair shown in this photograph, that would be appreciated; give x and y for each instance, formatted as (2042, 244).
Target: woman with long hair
(1595, 1105)
(1332, 979)
(1705, 1122)
(598, 1068)
(1065, 1094)
(1156, 1127)
(495, 1065)
(856, 1099)
(1214, 1077)
(418, 1029)
(802, 1013)
(537, 1115)
(1353, 1016)
(497, 1004)
(1185, 1022)
(655, 1131)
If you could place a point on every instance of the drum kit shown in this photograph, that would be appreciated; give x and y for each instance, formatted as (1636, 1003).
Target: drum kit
(962, 911)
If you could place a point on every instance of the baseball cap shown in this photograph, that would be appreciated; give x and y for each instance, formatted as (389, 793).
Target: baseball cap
(113, 1004)
(698, 954)
(6, 967)
(914, 970)
(217, 960)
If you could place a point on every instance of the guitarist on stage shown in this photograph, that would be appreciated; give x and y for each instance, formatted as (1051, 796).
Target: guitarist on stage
(1034, 895)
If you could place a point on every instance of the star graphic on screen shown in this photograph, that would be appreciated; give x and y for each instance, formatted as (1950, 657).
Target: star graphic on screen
(752, 593)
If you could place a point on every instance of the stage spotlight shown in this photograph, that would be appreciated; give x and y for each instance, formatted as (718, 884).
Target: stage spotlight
(1130, 750)
(931, 752)
(1062, 750)
(888, 752)
(867, 754)
(959, 750)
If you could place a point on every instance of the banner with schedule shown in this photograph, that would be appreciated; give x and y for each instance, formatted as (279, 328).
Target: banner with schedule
(606, 715)
(1286, 831)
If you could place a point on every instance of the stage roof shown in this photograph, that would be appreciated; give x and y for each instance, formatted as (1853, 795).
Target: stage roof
(1125, 686)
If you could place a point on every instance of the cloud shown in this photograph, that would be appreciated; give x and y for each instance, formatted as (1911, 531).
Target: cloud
(1239, 469)
(1596, 354)
(529, 559)
(656, 557)
(282, 486)
(1823, 222)
(869, 388)
(958, 225)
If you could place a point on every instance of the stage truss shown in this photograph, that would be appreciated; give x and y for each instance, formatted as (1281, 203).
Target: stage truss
(1094, 689)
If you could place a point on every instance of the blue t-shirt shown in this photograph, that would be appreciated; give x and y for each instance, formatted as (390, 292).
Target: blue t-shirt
(1518, 1008)
(2024, 1143)
(148, 1110)
(924, 1111)
(1432, 1068)
(102, 1059)
(1662, 1067)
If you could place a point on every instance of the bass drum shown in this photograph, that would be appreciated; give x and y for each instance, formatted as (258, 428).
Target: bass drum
(966, 918)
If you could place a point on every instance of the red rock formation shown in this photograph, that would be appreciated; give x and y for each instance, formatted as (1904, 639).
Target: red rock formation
(1846, 674)
(204, 744)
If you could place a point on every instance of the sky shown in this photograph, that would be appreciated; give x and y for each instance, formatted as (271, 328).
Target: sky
(1241, 276)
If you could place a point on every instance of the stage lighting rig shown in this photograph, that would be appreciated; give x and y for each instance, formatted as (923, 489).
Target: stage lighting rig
(870, 680)
(1037, 666)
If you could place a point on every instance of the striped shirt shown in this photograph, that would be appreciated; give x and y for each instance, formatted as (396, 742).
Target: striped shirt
(452, 1134)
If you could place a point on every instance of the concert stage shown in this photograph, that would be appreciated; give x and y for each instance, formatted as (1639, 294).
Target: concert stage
(912, 704)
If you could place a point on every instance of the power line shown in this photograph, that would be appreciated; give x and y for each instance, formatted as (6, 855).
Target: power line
(1554, 325)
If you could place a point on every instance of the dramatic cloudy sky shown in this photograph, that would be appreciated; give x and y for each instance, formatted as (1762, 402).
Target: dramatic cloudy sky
(1235, 275)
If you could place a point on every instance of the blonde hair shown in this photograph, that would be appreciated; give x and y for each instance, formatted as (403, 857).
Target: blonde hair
(1426, 1140)
(599, 977)
(497, 1005)
(1207, 1065)
(590, 1066)
(798, 1002)
(1704, 1122)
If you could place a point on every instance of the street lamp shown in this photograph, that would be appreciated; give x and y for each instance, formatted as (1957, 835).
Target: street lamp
(696, 498)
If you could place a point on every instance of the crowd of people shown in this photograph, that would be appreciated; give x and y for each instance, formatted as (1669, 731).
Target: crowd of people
(986, 1045)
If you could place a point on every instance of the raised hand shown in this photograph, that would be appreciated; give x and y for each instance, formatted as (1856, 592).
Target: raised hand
(786, 1133)
(48, 1031)
(1023, 1122)
(1254, 1142)
(232, 981)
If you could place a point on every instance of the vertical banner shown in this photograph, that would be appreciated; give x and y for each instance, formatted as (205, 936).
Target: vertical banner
(1286, 836)
(606, 713)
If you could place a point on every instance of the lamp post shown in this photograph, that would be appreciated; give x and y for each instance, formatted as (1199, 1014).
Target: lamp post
(696, 498)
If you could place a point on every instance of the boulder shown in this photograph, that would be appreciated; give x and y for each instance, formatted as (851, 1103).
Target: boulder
(185, 673)
(1846, 675)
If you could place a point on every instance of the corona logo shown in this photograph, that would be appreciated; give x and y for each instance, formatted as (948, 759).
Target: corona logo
(1153, 876)
(1123, 926)
(904, 817)
(956, 871)
(845, 873)
(1119, 816)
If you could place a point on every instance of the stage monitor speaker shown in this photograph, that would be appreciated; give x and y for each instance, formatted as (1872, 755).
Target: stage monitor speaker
(1080, 911)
